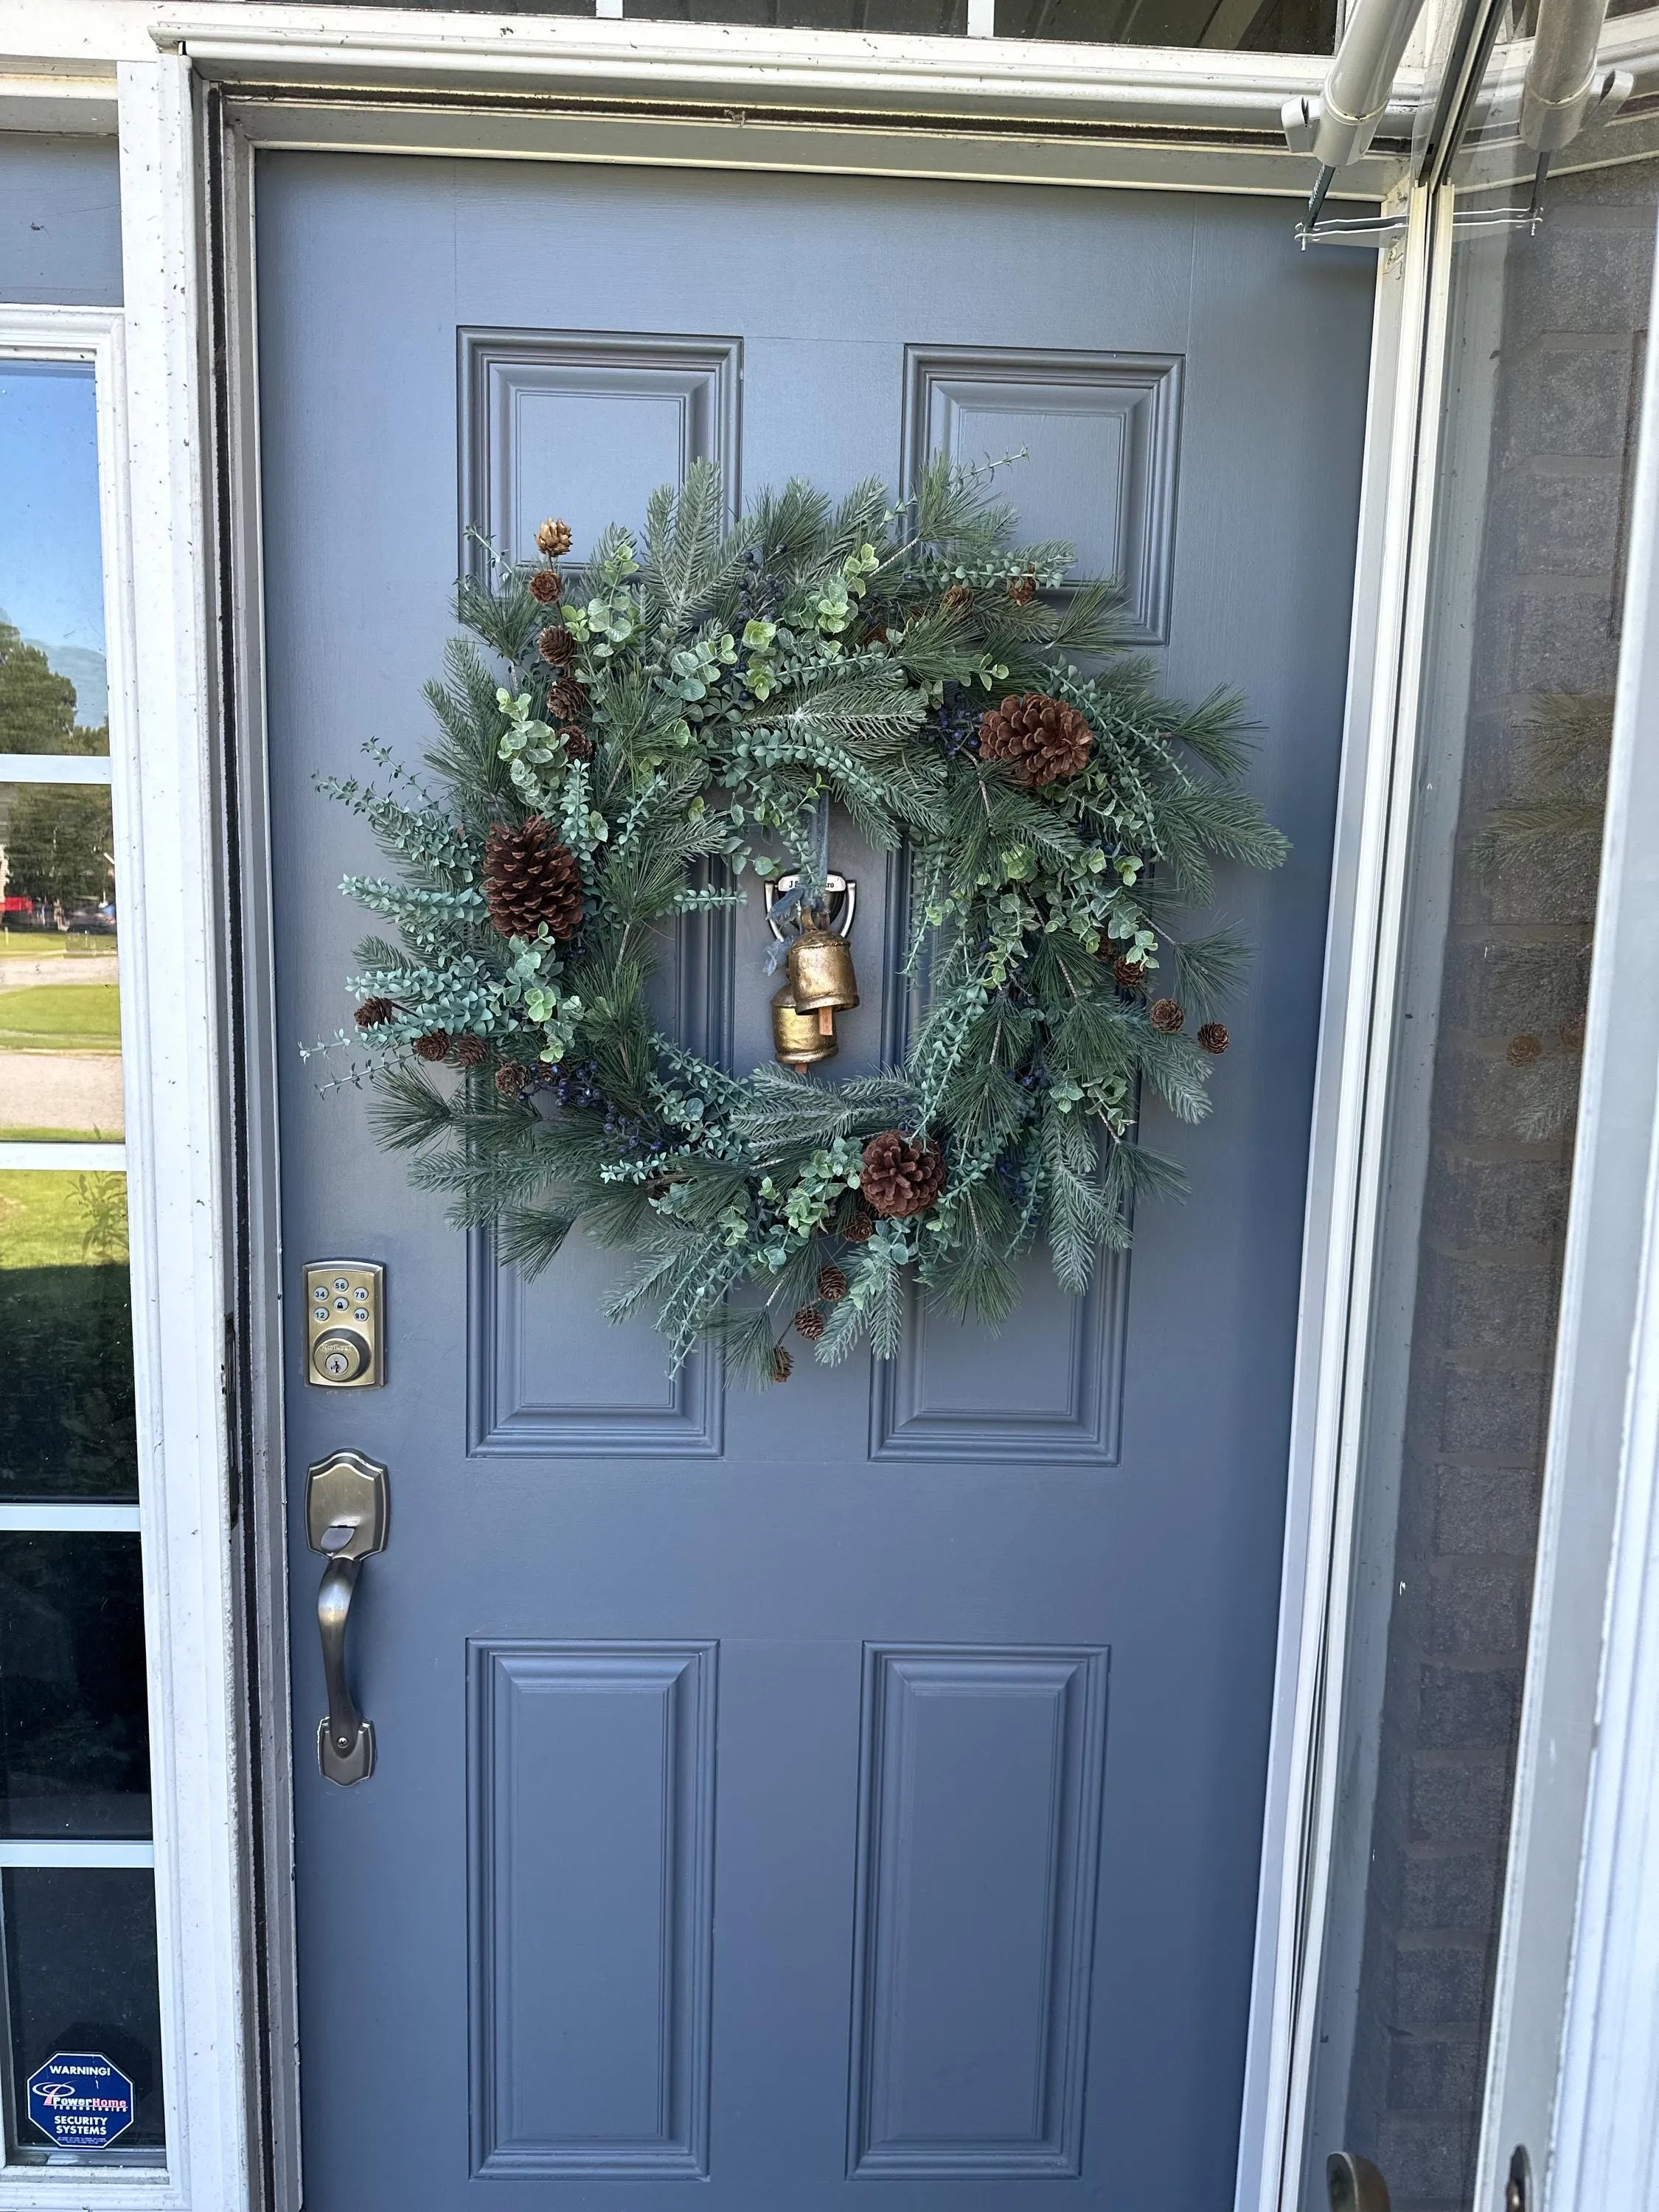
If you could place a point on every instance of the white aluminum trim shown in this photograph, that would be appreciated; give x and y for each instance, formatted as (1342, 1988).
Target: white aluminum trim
(1583, 1808)
(374, 48)
(54, 768)
(165, 816)
(110, 1159)
(75, 1515)
(90, 1852)
(1345, 1198)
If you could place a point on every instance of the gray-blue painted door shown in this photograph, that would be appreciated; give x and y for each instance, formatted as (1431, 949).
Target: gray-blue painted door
(857, 1787)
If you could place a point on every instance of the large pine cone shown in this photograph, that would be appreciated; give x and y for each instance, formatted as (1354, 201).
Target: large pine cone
(901, 1176)
(1041, 738)
(530, 878)
(567, 701)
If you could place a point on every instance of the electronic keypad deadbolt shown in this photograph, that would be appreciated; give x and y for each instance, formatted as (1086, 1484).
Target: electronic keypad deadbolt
(345, 1324)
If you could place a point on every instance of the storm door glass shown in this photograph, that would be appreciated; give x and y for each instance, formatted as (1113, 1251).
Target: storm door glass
(1547, 340)
(82, 2082)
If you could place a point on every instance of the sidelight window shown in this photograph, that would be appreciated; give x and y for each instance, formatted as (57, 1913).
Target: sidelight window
(80, 2023)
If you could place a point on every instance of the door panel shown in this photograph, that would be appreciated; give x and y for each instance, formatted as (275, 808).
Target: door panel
(747, 1819)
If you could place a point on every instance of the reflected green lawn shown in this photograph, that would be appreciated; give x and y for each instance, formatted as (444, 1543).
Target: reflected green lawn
(59, 1218)
(61, 1018)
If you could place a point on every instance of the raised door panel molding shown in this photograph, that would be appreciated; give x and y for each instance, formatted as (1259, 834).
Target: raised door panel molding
(591, 1770)
(1046, 1388)
(1101, 433)
(586, 424)
(549, 1377)
(979, 1848)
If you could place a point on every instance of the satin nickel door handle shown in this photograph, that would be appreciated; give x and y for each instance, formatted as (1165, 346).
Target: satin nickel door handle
(346, 1515)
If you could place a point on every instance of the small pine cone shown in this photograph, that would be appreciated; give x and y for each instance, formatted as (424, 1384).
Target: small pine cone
(832, 1285)
(433, 1046)
(1214, 1038)
(545, 587)
(1041, 738)
(374, 1011)
(958, 598)
(511, 1079)
(470, 1052)
(782, 1365)
(809, 1323)
(553, 539)
(530, 878)
(578, 746)
(901, 1177)
(1166, 1017)
(1128, 974)
(1022, 589)
(567, 702)
(859, 1227)
(556, 645)
(1522, 1050)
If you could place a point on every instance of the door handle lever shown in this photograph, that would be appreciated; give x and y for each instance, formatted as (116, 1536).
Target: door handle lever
(346, 1514)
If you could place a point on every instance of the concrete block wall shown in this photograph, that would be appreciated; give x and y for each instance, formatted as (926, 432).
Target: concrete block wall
(1515, 964)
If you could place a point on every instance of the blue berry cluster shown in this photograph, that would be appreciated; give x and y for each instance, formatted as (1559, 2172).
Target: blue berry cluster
(957, 719)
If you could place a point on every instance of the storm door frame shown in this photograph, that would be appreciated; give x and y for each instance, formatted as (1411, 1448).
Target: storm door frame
(192, 99)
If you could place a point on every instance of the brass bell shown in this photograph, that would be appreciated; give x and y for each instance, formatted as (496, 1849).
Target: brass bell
(821, 976)
(797, 1039)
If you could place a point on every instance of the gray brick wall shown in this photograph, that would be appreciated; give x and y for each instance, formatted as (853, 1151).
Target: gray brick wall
(1513, 983)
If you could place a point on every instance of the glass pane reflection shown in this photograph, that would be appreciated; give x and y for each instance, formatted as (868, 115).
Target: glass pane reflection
(54, 686)
(81, 1977)
(66, 1407)
(60, 1006)
(74, 1726)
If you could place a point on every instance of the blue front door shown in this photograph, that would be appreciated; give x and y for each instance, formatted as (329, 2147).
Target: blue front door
(855, 1789)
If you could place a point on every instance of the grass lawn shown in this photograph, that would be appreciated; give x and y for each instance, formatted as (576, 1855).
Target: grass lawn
(61, 1018)
(48, 944)
(56, 1218)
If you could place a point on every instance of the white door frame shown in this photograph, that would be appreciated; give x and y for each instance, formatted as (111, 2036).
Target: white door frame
(586, 91)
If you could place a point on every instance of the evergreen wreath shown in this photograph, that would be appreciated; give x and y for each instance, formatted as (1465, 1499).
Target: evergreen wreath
(679, 714)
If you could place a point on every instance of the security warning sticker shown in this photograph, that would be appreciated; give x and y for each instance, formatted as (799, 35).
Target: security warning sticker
(79, 2101)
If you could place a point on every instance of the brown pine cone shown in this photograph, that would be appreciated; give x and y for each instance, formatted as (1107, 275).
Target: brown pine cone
(567, 702)
(553, 539)
(1214, 1038)
(1166, 1017)
(832, 1285)
(373, 1012)
(530, 878)
(433, 1046)
(511, 1079)
(470, 1052)
(1022, 589)
(809, 1323)
(859, 1225)
(1128, 974)
(545, 588)
(901, 1177)
(1040, 738)
(782, 1365)
(578, 746)
(556, 645)
(958, 598)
